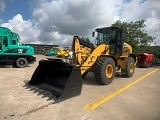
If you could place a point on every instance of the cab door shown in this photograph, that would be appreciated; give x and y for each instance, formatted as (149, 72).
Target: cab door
(120, 40)
(1, 44)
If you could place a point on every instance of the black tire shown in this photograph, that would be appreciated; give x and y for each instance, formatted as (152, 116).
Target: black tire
(130, 67)
(104, 70)
(147, 65)
(21, 62)
(84, 74)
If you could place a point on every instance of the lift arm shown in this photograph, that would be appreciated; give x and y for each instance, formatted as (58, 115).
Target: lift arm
(89, 62)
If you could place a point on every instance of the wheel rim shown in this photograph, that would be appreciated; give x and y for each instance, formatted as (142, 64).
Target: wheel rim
(109, 71)
(131, 67)
(22, 62)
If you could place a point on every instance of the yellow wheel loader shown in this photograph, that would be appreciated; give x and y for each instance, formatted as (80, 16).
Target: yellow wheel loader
(64, 80)
(62, 53)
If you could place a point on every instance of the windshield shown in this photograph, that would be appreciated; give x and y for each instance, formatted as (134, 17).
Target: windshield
(106, 36)
(19, 43)
(18, 40)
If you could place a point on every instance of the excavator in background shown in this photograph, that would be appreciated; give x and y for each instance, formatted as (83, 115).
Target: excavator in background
(64, 80)
(52, 51)
(12, 52)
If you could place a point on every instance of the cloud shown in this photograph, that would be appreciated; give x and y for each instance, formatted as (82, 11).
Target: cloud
(57, 21)
(153, 27)
(27, 31)
(69, 17)
(81, 18)
(2, 5)
(147, 10)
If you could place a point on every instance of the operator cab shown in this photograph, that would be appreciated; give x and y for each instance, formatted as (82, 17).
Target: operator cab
(112, 36)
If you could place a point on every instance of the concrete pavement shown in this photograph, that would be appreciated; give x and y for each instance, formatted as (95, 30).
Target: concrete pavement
(141, 101)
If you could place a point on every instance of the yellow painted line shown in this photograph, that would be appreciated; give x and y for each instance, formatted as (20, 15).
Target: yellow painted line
(103, 99)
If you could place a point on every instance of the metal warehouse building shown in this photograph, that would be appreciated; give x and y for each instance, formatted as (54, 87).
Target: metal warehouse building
(42, 48)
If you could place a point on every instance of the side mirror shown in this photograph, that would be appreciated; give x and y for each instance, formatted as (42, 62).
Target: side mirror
(93, 33)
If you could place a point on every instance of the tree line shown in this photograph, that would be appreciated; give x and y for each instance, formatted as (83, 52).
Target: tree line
(136, 35)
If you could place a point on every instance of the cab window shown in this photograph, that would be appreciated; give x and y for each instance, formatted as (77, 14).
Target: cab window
(0, 40)
(5, 41)
(0, 43)
(13, 42)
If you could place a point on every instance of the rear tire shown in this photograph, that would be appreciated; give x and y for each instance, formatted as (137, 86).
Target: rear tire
(130, 67)
(21, 62)
(104, 70)
(84, 74)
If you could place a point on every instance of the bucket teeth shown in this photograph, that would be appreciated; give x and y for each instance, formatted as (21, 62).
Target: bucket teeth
(51, 98)
(35, 90)
(32, 88)
(46, 94)
(26, 85)
(40, 92)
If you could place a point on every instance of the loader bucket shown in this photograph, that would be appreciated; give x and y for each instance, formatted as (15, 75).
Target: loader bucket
(62, 79)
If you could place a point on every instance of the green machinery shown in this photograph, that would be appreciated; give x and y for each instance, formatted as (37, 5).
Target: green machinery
(51, 52)
(12, 52)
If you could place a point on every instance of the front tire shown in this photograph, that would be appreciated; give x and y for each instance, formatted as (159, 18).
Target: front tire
(104, 70)
(130, 67)
(21, 62)
(84, 74)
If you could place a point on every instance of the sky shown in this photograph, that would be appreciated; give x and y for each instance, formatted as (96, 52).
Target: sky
(57, 21)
